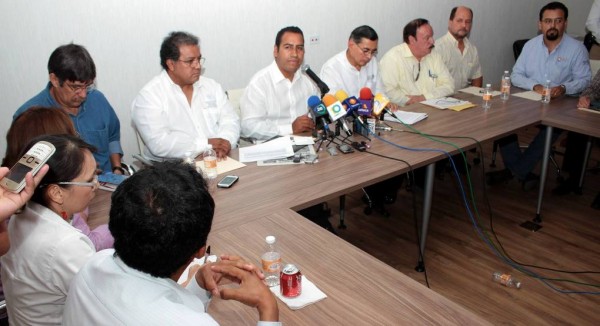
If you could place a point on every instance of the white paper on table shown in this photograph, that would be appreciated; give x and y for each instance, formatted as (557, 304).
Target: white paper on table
(302, 140)
(530, 95)
(276, 148)
(477, 91)
(406, 117)
(223, 166)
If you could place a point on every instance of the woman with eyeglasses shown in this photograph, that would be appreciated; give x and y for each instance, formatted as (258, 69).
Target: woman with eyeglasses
(46, 251)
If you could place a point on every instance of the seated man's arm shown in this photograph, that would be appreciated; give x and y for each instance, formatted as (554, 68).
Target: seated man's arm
(393, 79)
(581, 72)
(519, 76)
(153, 121)
(114, 141)
(333, 79)
(228, 121)
(255, 122)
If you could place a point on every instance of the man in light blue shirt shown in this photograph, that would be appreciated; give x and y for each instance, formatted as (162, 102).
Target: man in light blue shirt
(551, 56)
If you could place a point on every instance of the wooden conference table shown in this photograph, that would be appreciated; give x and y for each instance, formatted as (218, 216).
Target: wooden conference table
(571, 119)
(360, 288)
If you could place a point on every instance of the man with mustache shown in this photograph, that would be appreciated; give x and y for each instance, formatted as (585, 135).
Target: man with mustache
(72, 73)
(460, 56)
(411, 73)
(554, 56)
(179, 114)
(274, 103)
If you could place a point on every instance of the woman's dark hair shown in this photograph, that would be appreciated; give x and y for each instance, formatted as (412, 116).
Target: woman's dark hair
(35, 121)
(65, 164)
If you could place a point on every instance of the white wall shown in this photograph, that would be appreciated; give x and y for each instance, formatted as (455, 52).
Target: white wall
(237, 38)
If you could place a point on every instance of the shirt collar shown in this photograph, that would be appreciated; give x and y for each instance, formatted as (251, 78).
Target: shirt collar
(278, 77)
(198, 84)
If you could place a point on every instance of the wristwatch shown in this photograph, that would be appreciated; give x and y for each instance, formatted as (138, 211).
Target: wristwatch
(118, 168)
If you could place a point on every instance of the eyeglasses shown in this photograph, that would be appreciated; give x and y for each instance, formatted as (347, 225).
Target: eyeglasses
(556, 21)
(78, 88)
(200, 60)
(366, 51)
(94, 183)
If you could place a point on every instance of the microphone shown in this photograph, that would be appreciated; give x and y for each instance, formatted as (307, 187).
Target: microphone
(322, 86)
(380, 102)
(334, 107)
(365, 98)
(349, 102)
(336, 112)
(320, 112)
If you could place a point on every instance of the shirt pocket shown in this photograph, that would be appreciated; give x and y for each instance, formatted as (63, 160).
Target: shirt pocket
(97, 138)
(210, 111)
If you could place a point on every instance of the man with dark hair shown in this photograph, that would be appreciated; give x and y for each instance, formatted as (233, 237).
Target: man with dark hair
(411, 73)
(178, 114)
(274, 102)
(71, 88)
(160, 218)
(459, 55)
(355, 67)
(554, 57)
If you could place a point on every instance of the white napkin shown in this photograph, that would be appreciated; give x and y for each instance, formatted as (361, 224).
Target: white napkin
(310, 294)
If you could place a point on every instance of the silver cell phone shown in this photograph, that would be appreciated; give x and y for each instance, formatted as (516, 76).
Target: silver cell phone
(32, 161)
(227, 181)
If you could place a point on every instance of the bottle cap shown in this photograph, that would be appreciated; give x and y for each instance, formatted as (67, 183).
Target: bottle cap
(270, 239)
(506, 71)
(488, 85)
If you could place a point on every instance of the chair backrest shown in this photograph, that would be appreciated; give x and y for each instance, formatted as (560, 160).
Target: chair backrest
(518, 47)
(234, 96)
(141, 147)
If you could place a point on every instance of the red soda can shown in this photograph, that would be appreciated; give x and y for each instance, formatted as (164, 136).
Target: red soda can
(291, 281)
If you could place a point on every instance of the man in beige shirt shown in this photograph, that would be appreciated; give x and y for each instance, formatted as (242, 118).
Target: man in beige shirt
(411, 73)
(459, 55)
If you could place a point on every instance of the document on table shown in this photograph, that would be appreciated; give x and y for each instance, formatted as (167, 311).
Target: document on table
(448, 103)
(530, 95)
(406, 117)
(276, 148)
(223, 166)
(477, 91)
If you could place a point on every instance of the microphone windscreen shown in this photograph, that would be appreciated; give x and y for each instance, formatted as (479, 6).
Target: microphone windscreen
(380, 102)
(313, 101)
(328, 99)
(341, 95)
(365, 93)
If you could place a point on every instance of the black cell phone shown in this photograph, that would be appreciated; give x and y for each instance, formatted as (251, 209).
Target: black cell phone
(228, 181)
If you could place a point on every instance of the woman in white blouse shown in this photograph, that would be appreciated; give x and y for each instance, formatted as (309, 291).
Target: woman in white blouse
(46, 251)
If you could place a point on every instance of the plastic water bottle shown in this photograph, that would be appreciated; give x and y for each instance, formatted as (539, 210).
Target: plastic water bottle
(546, 93)
(487, 97)
(210, 162)
(506, 280)
(271, 262)
(505, 86)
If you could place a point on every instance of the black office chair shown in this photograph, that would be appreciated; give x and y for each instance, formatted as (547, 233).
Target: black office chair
(518, 47)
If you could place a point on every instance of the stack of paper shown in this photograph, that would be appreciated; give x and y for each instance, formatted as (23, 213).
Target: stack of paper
(448, 103)
(406, 117)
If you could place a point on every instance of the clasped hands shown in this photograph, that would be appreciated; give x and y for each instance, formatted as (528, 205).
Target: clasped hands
(250, 291)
